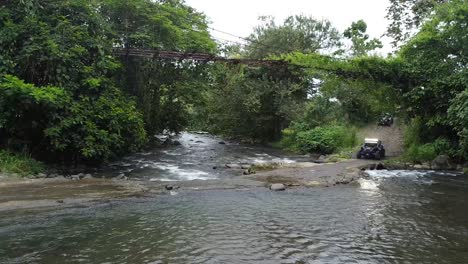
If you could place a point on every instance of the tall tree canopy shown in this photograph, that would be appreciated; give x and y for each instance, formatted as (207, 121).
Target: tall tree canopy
(297, 33)
(362, 45)
(61, 87)
(407, 16)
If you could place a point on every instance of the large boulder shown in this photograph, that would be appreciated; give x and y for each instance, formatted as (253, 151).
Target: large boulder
(443, 162)
(278, 187)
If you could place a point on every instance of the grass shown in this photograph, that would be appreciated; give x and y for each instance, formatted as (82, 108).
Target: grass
(21, 165)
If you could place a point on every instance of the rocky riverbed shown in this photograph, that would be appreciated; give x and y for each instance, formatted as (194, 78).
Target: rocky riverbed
(197, 162)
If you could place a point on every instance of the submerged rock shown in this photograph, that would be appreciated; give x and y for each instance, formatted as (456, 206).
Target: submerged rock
(171, 187)
(222, 143)
(278, 187)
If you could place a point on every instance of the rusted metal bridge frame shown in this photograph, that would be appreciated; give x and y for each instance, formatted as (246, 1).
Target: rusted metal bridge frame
(201, 57)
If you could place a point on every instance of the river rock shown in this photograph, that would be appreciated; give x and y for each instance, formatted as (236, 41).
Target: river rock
(313, 184)
(321, 159)
(222, 143)
(87, 176)
(380, 166)
(122, 177)
(278, 187)
(199, 141)
(233, 166)
(442, 162)
(176, 143)
(75, 177)
(41, 176)
(53, 175)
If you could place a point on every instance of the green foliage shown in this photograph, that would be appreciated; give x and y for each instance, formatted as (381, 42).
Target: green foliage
(253, 103)
(408, 15)
(26, 110)
(420, 153)
(19, 164)
(324, 140)
(413, 132)
(437, 55)
(321, 110)
(362, 45)
(64, 101)
(164, 89)
(458, 118)
(297, 33)
(98, 129)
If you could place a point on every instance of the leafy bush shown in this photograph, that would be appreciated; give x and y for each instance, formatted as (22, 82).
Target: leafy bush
(48, 120)
(412, 133)
(20, 164)
(325, 140)
(26, 110)
(98, 129)
(458, 118)
(420, 153)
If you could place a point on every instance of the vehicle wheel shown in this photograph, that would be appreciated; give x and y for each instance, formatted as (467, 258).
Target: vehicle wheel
(358, 156)
(377, 156)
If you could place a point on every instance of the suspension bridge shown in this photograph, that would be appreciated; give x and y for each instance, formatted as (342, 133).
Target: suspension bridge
(199, 57)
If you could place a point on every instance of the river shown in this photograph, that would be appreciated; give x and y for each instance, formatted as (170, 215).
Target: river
(391, 217)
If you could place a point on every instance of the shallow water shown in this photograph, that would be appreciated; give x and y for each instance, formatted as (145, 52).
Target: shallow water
(405, 218)
(195, 159)
(391, 217)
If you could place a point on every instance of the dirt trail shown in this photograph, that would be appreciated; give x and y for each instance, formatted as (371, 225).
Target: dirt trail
(392, 137)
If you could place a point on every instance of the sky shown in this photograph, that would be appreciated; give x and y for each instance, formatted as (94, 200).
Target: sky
(239, 17)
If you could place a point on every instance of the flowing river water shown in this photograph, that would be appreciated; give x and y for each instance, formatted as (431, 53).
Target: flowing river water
(390, 217)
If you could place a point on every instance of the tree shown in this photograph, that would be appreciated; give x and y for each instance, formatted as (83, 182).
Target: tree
(297, 33)
(56, 83)
(164, 89)
(362, 45)
(407, 16)
(437, 57)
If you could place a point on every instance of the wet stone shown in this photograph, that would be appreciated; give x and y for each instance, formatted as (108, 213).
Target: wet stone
(278, 187)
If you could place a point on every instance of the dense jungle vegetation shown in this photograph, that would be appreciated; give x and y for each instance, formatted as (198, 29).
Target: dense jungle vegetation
(66, 97)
